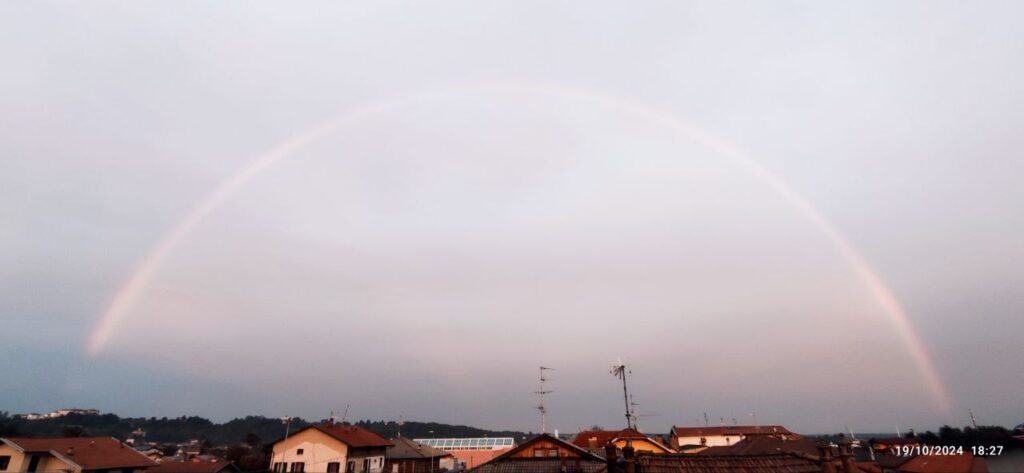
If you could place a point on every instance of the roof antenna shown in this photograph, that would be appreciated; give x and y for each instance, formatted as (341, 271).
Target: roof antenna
(400, 424)
(974, 421)
(620, 371)
(706, 423)
(345, 415)
(543, 410)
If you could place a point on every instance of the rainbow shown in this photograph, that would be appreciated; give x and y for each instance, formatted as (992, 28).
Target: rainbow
(128, 292)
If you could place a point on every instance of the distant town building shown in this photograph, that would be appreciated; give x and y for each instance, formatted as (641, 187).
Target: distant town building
(597, 439)
(409, 456)
(57, 413)
(544, 453)
(684, 438)
(70, 455)
(330, 448)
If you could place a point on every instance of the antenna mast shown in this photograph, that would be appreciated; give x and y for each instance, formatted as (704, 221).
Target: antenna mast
(540, 394)
(620, 371)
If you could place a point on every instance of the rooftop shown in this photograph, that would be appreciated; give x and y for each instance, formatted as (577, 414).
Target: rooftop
(89, 453)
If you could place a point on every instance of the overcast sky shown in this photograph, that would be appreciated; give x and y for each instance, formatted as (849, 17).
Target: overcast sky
(424, 259)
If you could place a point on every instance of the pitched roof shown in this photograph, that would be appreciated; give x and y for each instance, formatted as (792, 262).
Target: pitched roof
(764, 444)
(351, 435)
(769, 463)
(193, 467)
(508, 462)
(582, 452)
(541, 465)
(597, 439)
(965, 463)
(408, 449)
(730, 430)
(89, 453)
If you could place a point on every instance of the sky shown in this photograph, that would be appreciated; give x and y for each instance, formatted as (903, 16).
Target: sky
(484, 188)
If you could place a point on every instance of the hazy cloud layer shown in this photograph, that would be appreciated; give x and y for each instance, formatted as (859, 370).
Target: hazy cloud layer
(424, 260)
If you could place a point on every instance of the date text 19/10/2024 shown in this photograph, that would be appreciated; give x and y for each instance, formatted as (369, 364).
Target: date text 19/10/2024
(915, 450)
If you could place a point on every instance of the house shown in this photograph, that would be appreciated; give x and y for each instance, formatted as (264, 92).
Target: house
(409, 456)
(544, 453)
(151, 452)
(597, 439)
(195, 467)
(720, 436)
(471, 452)
(330, 448)
(70, 454)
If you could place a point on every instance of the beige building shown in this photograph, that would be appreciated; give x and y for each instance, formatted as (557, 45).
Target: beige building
(71, 454)
(330, 448)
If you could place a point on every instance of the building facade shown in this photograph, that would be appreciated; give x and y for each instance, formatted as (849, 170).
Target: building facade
(330, 448)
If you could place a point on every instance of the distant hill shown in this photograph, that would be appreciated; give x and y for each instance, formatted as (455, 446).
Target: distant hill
(180, 429)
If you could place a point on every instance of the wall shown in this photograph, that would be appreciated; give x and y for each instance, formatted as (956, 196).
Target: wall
(319, 449)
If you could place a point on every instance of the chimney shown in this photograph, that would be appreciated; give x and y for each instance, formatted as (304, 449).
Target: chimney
(611, 458)
(846, 457)
(71, 451)
(825, 454)
(630, 459)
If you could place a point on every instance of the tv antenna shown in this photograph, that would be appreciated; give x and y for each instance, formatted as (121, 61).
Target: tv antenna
(345, 415)
(974, 421)
(636, 413)
(540, 394)
(620, 371)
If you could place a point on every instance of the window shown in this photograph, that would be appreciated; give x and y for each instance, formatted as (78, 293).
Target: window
(334, 467)
(299, 451)
(298, 467)
(4, 462)
(545, 452)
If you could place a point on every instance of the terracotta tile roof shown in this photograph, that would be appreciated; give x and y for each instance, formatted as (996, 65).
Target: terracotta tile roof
(90, 453)
(541, 465)
(764, 444)
(408, 449)
(601, 437)
(597, 439)
(351, 435)
(770, 463)
(965, 463)
(731, 430)
(193, 467)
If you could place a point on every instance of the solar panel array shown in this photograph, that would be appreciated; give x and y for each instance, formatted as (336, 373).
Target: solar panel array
(485, 443)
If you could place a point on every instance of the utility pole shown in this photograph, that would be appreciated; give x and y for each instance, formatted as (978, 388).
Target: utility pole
(619, 371)
(540, 394)
(287, 421)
